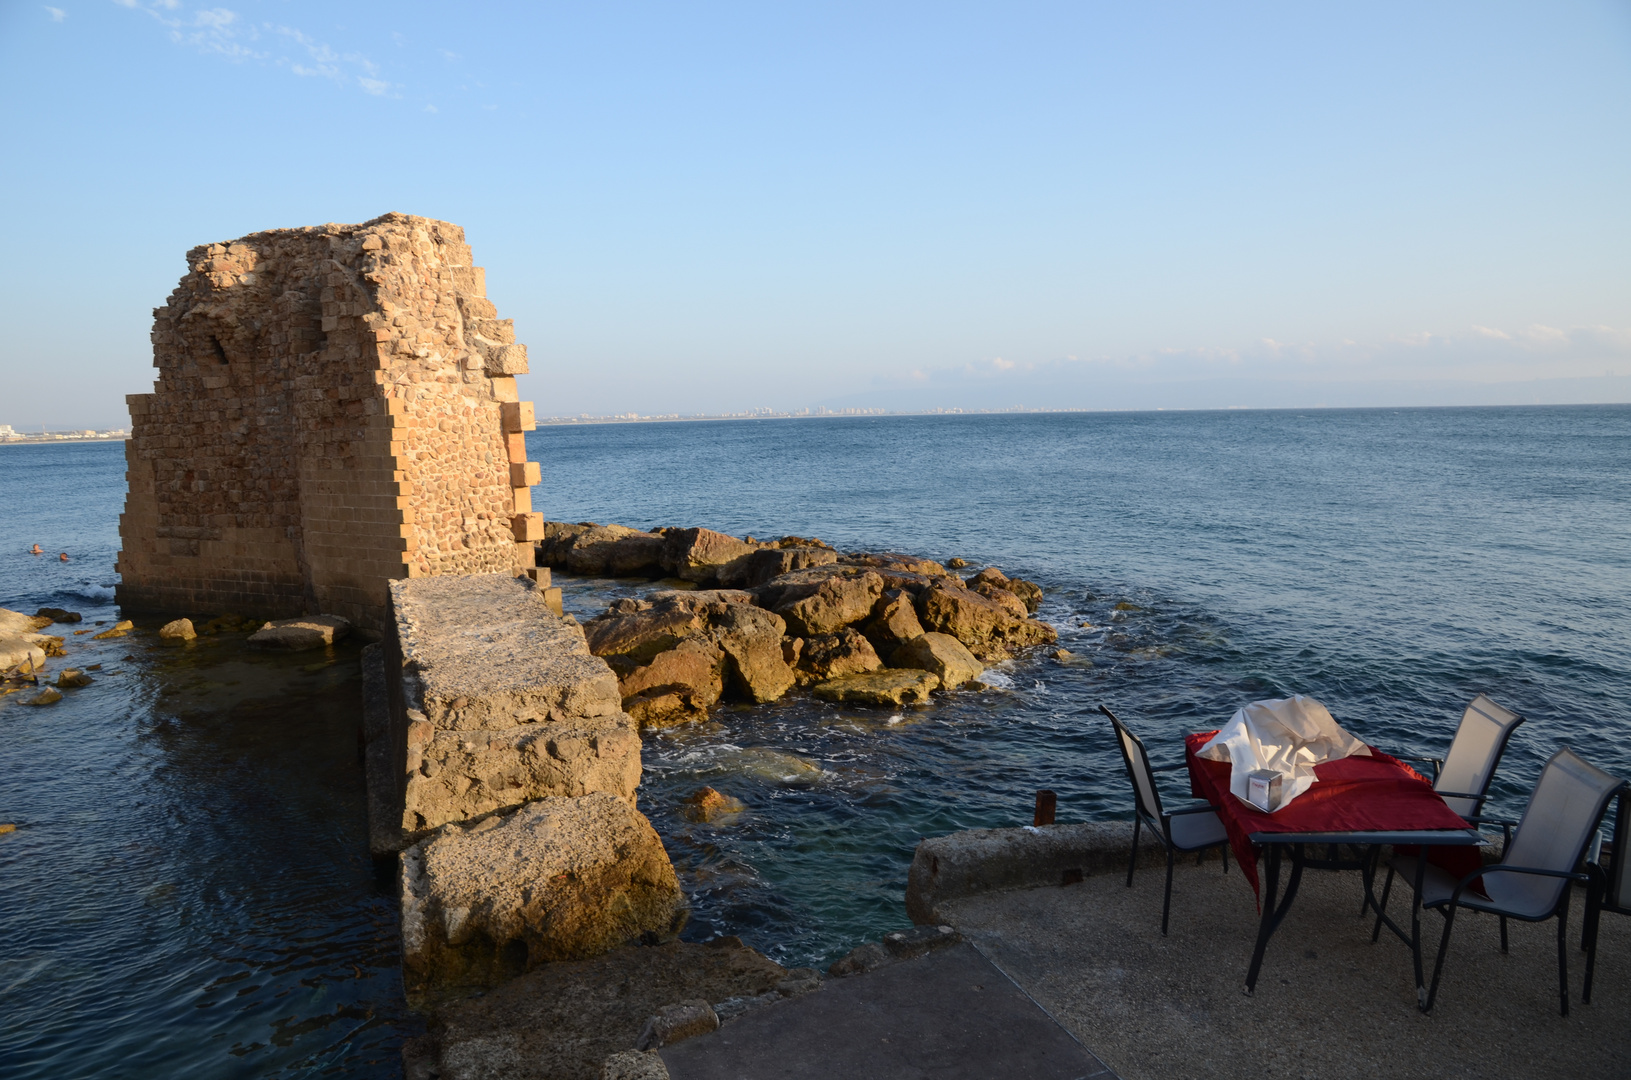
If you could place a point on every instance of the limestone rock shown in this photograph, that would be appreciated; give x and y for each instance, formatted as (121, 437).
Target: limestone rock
(956, 564)
(698, 554)
(1010, 603)
(558, 539)
(861, 959)
(707, 804)
(829, 656)
(56, 614)
(894, 622)
(117, 630)
(942, 654)
(822, 600)
(751, 639)
(1028, 593)
(756, 568)
(47, 696)
(616, 551)
(20, 647)
(675, 686)
(562, 1020)
(634, 1065)
(178, 630)
(558, 879)
(297, 635)
(641, 634)
(676, 1022)
(71, 679)
(886, 686)
(903, 563)
(702, 601)
(988, 629)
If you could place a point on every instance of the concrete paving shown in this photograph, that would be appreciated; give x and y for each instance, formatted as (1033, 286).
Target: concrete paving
(949, 1015)
(1329, 1004)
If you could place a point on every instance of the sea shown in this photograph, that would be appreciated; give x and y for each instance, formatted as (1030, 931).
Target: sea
(188, 888)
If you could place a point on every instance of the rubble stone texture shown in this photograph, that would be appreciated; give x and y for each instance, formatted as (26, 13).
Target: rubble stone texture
(335, 408)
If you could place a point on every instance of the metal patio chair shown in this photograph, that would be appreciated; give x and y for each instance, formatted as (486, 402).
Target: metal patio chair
(1531, 882)
(1462, 776)
(1190, 829)
(1610, 887)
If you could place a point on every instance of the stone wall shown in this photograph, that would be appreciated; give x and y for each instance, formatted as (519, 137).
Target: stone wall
(335, 408)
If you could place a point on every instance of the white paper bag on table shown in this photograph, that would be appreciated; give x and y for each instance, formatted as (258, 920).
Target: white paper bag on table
(1288, 736)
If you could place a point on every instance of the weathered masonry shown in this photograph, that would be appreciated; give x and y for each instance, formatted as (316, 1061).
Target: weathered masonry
(335, 408)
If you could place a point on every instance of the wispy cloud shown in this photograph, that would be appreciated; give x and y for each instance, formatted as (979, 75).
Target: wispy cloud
(222, 32)
(56, 13)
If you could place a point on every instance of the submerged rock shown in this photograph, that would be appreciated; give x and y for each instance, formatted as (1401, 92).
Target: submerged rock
(298, 635)
(886, 686)
(117, 630)
(56, 614)
(942, 654)
(71, 679)
(178, 630)
(558, 879)
(707, 804)
(47, 696)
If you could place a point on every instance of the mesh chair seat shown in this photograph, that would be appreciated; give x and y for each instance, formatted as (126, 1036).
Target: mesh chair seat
(1192, 832)
(1521, 896)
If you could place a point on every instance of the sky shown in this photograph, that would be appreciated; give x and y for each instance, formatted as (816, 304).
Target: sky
(720, 207)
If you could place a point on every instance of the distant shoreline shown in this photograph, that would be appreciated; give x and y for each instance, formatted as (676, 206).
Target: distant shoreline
(19, 440)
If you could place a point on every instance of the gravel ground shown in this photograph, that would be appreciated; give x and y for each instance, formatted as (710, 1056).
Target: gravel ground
(1329, 1004)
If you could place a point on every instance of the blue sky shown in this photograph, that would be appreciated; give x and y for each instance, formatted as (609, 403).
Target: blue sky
(720, 207)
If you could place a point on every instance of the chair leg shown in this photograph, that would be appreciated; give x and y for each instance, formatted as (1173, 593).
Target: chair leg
(1166, 901)
(1503, 933)
(1563, 952)
(1588, 937)
(1133, 860)
(1225, 850)
(1387, 887)
(1438, 965)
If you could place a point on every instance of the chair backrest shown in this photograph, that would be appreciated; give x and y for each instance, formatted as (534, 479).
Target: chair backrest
(1147, 798)
(1475, 752)
(1568, 802)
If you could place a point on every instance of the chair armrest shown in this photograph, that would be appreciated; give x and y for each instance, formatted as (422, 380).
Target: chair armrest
(1197, 808)
(1436, 762)
(1569, 875)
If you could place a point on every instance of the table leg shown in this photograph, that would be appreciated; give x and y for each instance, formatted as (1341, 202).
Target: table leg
(1415, 924)
(1265, 924)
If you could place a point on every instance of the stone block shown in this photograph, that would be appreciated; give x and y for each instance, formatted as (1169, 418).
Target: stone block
(517, 416)
(527, 528)
(558, 879)
(524, 474)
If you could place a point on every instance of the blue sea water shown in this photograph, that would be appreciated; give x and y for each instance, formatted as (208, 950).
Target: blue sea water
(188, 888)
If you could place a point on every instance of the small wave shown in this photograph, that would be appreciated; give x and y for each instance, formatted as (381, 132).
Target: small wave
(992, 677)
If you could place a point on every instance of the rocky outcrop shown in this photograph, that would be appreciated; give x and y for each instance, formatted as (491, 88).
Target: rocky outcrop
(616, 551)
(884, 687)
(558, 879)
(831, 656)
(751, 639)
(990, 581)
(674, 686)
(699, 554)
(760, 567)
(823, 600)
(942, 654)
(20, 647)
(988, 629)
(894, 622)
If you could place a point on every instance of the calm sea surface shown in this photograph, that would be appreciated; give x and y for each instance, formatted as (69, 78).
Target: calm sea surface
(188, 889)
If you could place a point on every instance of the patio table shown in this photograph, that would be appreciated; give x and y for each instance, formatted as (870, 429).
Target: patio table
(1360, 802)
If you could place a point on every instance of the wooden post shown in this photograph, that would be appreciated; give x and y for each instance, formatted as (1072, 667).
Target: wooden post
(1046, 801)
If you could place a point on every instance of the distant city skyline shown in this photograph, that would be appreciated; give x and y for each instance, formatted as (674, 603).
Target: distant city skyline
(899, 207)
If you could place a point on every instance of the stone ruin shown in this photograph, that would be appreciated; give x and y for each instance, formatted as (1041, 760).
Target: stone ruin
(335, 408)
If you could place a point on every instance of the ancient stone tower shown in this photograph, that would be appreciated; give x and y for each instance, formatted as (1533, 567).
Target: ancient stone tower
(335, 408)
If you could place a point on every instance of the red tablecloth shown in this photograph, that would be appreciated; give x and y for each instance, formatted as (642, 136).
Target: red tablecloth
(1376, 793)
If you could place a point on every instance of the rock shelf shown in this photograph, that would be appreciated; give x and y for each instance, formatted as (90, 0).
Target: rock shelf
(760, 618)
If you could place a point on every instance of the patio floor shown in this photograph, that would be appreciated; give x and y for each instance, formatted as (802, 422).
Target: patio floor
(1329, 1004)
